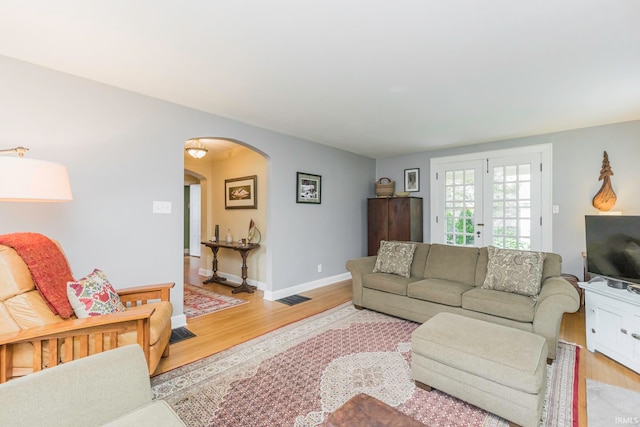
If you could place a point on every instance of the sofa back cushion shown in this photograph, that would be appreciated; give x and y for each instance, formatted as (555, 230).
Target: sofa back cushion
(420, 259)
(455, 263)
(21, 305)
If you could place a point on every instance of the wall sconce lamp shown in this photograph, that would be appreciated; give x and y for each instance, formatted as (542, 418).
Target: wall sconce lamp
(195, 148)
(31, 180)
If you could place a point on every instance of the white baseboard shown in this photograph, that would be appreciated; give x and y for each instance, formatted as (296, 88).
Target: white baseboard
(283, 293)
(178, 321)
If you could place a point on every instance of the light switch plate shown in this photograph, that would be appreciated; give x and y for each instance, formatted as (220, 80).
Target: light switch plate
(161, 207)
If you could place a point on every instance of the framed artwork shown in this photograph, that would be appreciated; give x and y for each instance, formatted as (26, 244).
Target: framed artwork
(241, 193)
(412, 179)
(308, 188)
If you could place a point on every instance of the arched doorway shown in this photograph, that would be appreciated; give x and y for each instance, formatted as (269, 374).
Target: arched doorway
(229, 159)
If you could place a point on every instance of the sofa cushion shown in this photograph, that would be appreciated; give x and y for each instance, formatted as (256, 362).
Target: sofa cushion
(419, 259)
(395, 258)
(386, 282)
(439, 291)
(481, 266)
(512, 306)
(514, 271)
(93, 296)
(454, 263)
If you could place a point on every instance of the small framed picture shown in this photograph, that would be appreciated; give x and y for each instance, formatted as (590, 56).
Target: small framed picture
(412, 179)
(308, 188)
(241, 193)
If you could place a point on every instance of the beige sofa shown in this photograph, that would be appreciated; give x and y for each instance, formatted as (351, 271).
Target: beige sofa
(109, 388)
(448, 278)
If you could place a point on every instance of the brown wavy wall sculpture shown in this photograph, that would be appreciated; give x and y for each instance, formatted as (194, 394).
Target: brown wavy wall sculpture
(606, 197)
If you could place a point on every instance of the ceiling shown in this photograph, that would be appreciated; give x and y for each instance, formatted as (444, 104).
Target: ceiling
(374, 77)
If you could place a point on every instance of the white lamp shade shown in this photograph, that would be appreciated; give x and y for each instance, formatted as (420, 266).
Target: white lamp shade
(31, 180)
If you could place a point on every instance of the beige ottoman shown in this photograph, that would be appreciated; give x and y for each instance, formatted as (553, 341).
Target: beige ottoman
(499, 369)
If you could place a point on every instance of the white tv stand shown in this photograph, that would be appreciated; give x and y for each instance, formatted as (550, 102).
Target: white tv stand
(613, 322)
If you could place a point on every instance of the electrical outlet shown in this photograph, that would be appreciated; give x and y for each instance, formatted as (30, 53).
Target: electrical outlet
(319, 268)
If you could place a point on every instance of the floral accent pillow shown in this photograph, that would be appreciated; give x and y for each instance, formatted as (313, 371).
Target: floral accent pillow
(514, 271)
(93, 296)
(395, 258)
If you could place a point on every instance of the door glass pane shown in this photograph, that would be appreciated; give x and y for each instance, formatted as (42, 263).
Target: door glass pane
(460, 203)
(511, 206)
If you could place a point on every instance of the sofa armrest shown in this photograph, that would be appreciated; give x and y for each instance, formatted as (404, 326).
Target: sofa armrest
(143, 294)
(90, 391)
(101, 332)
(557, 297)
(358, 268)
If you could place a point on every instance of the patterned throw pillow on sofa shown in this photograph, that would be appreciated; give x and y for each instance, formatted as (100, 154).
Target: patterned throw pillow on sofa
(514, 271)
(93, 295)
(395, 258)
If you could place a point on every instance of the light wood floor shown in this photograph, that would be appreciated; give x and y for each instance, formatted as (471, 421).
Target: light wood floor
(224, 329)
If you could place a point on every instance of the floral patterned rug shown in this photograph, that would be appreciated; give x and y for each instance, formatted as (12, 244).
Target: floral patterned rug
(299, 374)
(199, 301)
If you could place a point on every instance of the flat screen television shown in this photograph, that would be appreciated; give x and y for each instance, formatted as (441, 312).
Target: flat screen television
(613, 248)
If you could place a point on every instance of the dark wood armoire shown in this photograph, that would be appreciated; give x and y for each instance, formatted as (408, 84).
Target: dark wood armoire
(393, 218)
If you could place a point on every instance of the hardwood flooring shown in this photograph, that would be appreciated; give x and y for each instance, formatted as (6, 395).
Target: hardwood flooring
(224, 329)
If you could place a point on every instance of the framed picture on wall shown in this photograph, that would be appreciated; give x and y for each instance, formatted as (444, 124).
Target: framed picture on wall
(308, 188)
(241, 193)
(412, 180)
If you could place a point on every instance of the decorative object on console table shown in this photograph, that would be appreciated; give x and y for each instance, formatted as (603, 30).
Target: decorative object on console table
(412, 180)
(252, 232)
(605, 198)
(241, 193)
(385, 187)
(394, 218)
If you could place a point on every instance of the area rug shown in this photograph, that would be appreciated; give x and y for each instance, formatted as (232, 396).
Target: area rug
(199, 301)
(608, 405)
(299, 374)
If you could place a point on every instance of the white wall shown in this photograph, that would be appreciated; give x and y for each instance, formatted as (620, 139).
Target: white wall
(124, 150)
(577, 159)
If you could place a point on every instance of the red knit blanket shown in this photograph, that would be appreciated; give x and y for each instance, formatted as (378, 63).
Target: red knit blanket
(48, 266)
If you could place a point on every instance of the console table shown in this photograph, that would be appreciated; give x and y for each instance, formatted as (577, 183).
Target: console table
(244, 251)
(613, 322)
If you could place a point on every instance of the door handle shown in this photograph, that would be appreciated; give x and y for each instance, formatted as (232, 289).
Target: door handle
(636, 336)
(624, 331)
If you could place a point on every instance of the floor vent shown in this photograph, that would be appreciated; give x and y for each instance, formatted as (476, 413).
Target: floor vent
(293, 299)
(180, 334)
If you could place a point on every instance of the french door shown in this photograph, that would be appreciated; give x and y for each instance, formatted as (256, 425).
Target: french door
(493, 200)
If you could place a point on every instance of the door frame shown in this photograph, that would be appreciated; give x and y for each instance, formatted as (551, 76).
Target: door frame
(546, 184)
